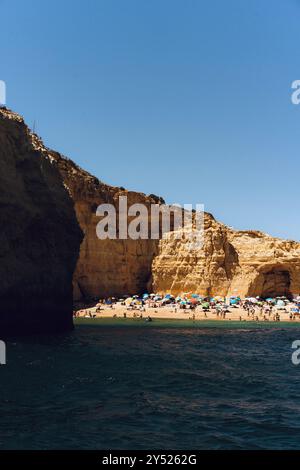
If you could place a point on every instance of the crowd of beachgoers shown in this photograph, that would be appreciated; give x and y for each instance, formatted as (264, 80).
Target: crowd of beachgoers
(194, 306)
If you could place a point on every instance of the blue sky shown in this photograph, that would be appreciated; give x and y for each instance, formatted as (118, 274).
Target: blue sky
(187, 99)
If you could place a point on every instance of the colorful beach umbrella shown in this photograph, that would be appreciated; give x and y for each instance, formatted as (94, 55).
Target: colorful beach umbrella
(252, 300)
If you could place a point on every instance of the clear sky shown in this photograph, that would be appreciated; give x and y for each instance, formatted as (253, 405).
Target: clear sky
(187, 99)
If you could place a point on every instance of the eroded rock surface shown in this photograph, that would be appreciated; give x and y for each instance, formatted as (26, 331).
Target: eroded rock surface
(40, 239)
(105, 267)
(40, 236)
(229, 263)
(246, 263)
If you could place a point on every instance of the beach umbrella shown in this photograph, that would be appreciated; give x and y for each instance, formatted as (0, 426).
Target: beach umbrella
(128, 301)
(205, 304)
(280, 303)
(195, 296)
(178, 299)
(145, 296)
(183, 302)
(194, 301)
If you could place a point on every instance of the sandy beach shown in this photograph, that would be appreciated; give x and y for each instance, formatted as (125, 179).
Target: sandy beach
(172, 313)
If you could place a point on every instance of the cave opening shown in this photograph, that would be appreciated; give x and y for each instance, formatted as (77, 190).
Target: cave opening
(276, 283)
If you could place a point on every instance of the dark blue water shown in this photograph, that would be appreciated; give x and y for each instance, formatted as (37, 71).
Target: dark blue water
(144, 388)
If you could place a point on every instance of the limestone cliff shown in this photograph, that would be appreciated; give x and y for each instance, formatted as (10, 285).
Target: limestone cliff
(105, 267)
(177, 269)
(248, 263)
(230, 262)
(39, 239)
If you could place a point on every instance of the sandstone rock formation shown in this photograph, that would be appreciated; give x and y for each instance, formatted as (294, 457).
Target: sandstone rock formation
(245, 263)
(105, 267)
(230, 262)
(39, 239)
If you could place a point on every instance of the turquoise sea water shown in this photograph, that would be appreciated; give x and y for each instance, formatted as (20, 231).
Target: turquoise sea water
(124, 384)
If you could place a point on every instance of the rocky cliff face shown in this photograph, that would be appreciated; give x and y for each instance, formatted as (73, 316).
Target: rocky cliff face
(229, 263)
(40, 241)
(248, 263)
(40, 237)
(177, 269)
(105, 267)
